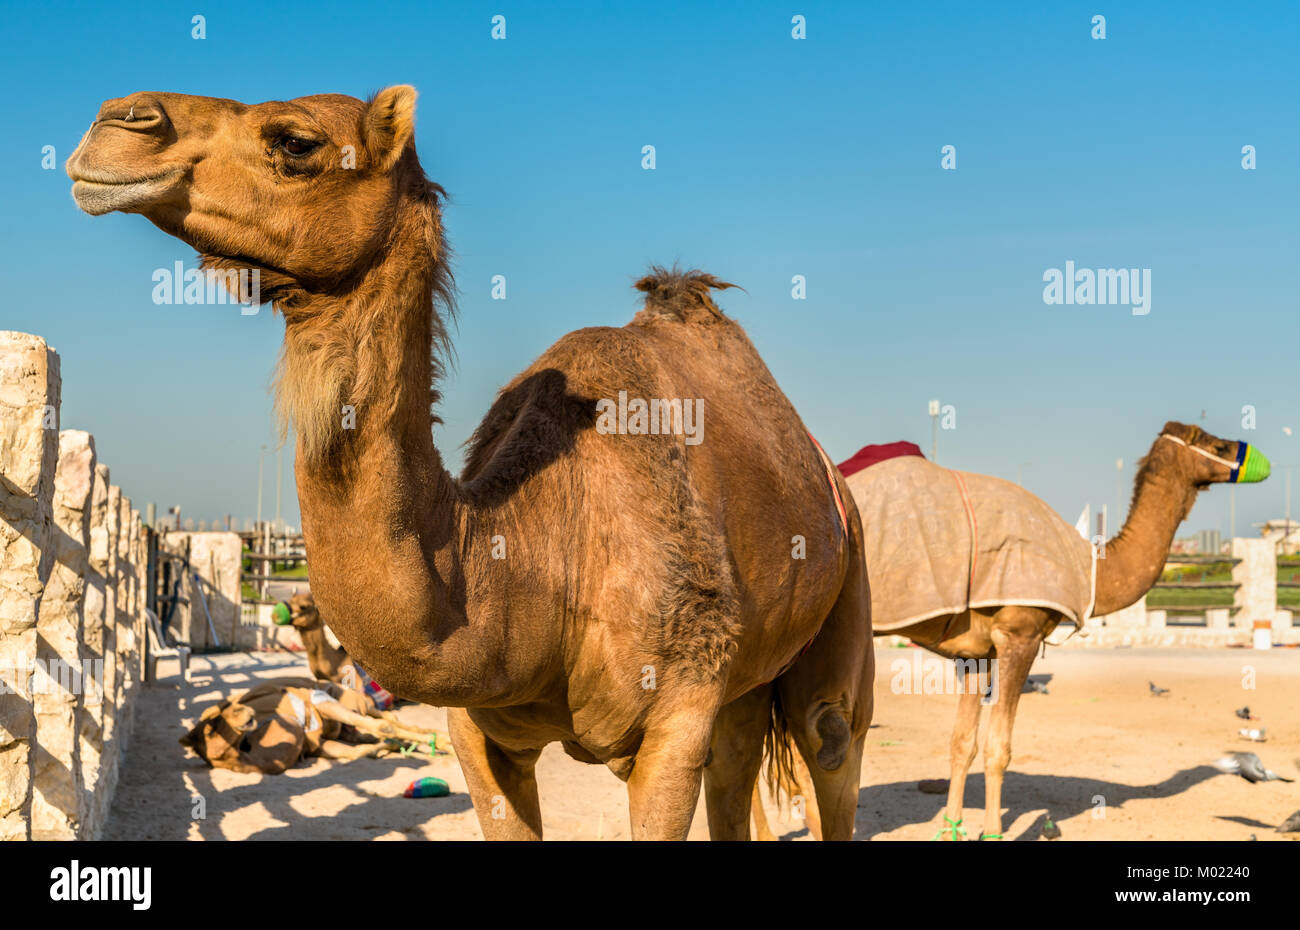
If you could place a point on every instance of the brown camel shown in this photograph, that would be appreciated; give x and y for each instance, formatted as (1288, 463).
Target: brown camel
(1026, 553)
(274, 724)
(627, 587)
(327, 661)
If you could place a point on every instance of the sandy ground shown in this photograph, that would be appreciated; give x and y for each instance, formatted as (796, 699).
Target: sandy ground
(1098, 753)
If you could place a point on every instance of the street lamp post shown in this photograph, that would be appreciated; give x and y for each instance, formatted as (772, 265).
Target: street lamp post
(261, 455)
(279, 475)
(934, 431)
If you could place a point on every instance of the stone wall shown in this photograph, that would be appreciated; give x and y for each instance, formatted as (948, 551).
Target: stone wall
(72, 555)
(29, 450)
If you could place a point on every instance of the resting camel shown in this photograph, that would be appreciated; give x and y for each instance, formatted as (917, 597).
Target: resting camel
(634, 590)
(1026, 554)
(273, 725)
(327, 661)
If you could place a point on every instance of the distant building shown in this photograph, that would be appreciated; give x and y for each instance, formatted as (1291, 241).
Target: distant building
(1284, 533)
(1204, 542)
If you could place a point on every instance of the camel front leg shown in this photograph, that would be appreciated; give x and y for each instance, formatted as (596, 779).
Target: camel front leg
(736, 755)
(346, 752)
(964, 740)
(664, 785)
(379, 726)
(502, 783)
(1015, 656)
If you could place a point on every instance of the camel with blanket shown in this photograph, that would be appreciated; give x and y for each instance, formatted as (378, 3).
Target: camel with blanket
(274, 724)
(976, 568)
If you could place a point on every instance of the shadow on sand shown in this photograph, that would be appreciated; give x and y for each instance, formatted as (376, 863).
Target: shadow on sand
(884, 808)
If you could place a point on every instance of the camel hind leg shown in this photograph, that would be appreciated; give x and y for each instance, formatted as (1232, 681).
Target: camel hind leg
(826, 698)
(800, 794)
(964, 738)
(1017, 634)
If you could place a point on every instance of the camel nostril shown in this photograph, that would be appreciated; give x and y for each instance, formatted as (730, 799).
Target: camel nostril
(140, 113)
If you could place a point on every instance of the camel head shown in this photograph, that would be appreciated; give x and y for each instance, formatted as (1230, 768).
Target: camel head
(224, 735)
(1203, 459)
(299, 611)
(1184, 460)
(306, 190)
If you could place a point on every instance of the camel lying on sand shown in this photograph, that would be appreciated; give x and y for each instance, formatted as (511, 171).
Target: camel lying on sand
(273, 725)
(327, 661)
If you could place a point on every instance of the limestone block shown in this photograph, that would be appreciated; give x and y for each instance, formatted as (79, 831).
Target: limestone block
(1256, 573)
(29, 448)
(217, 557)
(58, 802)
(94, 634)
(1132, 617)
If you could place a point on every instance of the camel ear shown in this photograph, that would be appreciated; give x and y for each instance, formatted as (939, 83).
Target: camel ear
(390, 124)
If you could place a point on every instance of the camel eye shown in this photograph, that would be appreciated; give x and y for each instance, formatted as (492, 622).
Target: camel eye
(297, 147)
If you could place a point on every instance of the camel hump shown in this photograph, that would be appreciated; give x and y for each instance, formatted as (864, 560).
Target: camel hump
(681, 295)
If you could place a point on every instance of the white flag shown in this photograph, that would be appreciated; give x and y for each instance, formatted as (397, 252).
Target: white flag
(1085, 518)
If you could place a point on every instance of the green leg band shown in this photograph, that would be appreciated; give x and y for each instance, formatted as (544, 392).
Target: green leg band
(953, 827)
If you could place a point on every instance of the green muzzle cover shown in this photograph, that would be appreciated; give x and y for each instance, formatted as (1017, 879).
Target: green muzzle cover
(1254, 465)
(280, 614)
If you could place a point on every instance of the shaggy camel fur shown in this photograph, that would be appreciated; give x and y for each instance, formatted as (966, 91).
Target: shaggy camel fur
(273, 725)
(633, 592)
(1182, 461)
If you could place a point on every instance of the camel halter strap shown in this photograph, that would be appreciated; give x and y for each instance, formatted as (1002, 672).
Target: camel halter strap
(1250, 465)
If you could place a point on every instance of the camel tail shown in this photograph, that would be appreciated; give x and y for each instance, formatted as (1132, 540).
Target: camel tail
(778, 747)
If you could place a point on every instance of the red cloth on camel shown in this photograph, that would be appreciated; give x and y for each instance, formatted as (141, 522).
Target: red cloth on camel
(870, 455)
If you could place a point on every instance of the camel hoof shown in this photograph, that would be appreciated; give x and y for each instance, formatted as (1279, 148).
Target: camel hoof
(836, 736)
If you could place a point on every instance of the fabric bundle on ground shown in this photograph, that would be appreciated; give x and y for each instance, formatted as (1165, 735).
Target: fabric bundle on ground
(939, 541)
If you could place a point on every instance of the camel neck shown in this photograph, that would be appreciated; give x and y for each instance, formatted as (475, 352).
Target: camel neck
(1134, 558)
(386, 525)
(322, 658)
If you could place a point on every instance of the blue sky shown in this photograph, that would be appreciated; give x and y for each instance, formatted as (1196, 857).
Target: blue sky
(775, 158)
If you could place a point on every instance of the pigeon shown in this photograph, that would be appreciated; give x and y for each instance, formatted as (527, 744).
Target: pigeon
(1244, 714)
(1034, 685)
(1291, 824)
(1258, 735)
(1249, 767)
(1050, 830)
(1156, 690)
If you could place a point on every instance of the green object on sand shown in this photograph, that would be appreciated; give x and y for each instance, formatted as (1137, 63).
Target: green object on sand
(427, 787)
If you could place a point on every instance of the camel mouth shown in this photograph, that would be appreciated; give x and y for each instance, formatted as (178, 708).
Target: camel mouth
(99, 195)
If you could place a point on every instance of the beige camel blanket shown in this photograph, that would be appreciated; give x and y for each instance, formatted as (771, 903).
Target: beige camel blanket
(919, 521)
